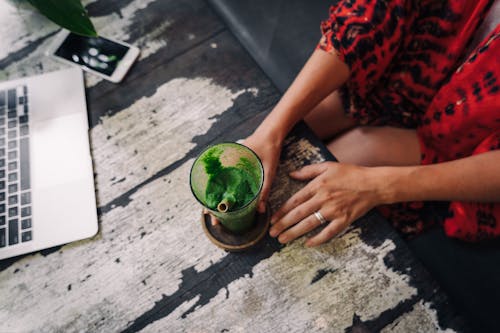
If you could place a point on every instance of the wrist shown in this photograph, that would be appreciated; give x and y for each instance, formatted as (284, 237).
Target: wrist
(272, 131)
(394, 184)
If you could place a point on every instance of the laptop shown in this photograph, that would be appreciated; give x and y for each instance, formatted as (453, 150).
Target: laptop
(47, 195)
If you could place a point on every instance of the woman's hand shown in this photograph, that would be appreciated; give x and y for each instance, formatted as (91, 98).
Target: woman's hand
(340, 192)
(268, 150)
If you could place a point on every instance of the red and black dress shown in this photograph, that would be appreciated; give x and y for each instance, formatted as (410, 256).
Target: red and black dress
(408, 70)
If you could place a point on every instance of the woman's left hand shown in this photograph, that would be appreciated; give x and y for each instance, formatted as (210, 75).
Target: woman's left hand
(340, 192)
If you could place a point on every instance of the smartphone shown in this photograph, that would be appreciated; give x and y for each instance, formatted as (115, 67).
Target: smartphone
(110, 59)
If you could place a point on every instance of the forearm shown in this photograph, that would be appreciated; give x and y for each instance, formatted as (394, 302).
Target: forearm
(321, 75)
(475, 178)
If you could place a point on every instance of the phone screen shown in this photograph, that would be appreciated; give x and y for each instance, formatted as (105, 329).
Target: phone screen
(97, 53)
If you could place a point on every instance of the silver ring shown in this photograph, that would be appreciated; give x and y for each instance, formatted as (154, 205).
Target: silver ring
(320, 217)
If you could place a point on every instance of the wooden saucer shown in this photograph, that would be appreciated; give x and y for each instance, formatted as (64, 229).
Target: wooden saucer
(232, 242)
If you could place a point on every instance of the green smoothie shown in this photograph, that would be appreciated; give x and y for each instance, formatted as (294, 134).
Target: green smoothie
(232, 186)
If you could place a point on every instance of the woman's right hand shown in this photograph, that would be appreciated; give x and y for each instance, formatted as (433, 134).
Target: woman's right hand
(268, 149)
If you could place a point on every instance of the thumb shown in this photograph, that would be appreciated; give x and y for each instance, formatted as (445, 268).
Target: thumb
(309, 171)
(266, 188)
(263, 197)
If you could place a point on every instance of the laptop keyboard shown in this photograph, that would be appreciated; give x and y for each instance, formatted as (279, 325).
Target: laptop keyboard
(15, 190)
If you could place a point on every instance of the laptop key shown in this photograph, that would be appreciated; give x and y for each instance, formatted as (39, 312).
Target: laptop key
(26, 224)
(24, 130)
(12, 177)
(26, 236)
(13, 211)
(12, 156)
(25, 198)
(12, 166)
(26, 211)
(12, 188)
(12, 200)
(11, 98)
(25, 163)
(2, 238)
(13, 232)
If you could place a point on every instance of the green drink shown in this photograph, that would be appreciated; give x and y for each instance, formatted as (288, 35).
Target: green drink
(227, 179)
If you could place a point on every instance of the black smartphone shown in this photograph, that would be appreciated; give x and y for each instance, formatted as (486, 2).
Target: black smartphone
(105, 57)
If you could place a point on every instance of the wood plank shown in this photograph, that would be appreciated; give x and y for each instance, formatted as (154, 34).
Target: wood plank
(151, 267)
(186, 104)
(182, 25)
(166, 276)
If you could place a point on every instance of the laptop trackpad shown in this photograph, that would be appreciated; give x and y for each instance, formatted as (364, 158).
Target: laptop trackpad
(60, 151)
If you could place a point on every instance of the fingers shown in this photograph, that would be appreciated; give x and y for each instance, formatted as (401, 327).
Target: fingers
(263, 197)
(309, 171)
(295, 201)
(213, 219)
(331, 230)
(269, 174)
(306, 225)
(295, 214)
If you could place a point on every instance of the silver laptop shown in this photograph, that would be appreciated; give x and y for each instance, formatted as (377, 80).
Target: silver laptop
(47, 195)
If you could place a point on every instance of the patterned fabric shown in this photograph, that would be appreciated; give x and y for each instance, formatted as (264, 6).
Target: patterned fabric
(403, 57)
(464, 120)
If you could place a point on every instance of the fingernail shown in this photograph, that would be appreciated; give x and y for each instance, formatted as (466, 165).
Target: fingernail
(282, 240)
(273, 233)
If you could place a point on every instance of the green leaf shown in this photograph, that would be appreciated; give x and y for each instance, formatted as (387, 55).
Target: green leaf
(69, 14)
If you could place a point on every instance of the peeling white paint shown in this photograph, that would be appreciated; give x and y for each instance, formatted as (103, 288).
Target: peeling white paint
(25, 20)
(173, 241)
(31, 25)
(421, 316)
(154, 132)
(281, 286)
(142, 248)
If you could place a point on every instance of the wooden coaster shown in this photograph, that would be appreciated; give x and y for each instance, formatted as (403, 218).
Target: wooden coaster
(232, 242)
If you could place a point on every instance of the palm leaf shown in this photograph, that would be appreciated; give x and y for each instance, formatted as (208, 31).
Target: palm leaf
(69, 14)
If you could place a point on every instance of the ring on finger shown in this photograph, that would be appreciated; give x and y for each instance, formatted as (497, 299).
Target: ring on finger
(320, 217)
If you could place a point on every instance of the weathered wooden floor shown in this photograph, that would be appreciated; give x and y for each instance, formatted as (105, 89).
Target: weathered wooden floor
(150, 267)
